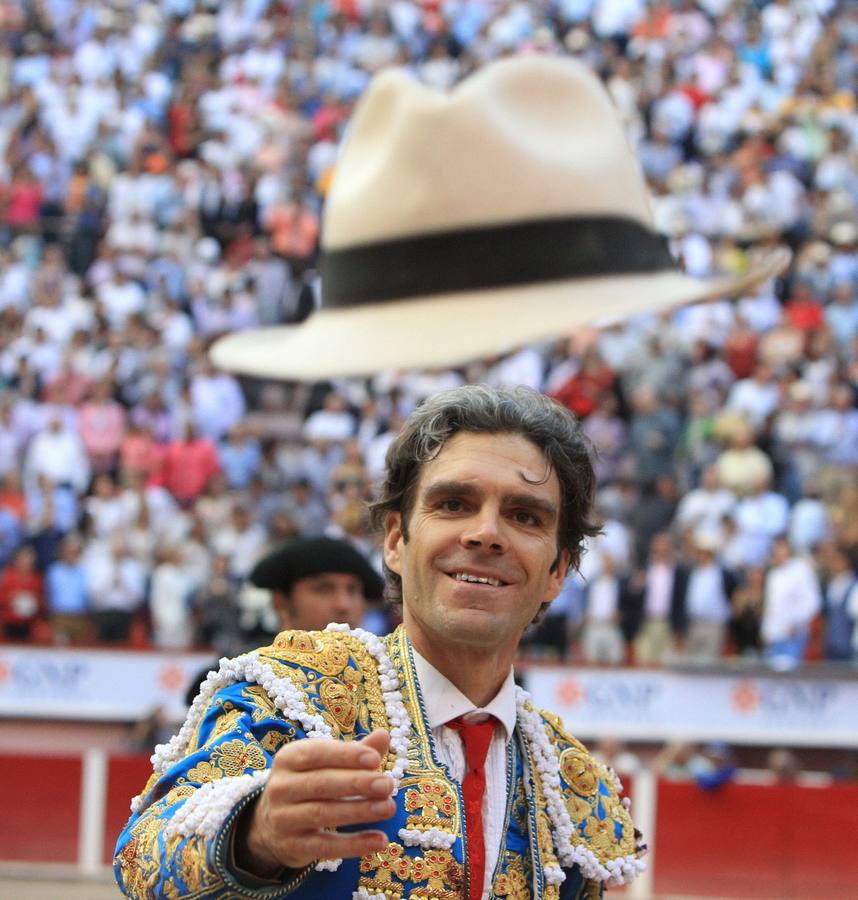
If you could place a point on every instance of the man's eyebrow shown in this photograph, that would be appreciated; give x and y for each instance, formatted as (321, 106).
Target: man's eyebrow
(445, 488)
(440, 489)
(537, 504)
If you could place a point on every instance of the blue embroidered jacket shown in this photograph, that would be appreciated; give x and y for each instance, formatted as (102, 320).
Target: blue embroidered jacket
(177, 843)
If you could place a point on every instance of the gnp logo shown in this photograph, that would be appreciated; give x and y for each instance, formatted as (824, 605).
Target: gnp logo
(632, 696)
(783, 697)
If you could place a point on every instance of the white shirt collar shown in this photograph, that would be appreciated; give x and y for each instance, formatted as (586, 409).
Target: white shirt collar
(443, 701)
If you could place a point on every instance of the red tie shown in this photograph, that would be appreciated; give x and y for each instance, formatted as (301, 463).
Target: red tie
(476, 736)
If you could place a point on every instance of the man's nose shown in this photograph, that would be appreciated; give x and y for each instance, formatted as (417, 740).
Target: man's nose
(485, 530)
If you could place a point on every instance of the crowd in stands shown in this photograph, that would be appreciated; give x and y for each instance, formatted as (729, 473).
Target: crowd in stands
(163, 166)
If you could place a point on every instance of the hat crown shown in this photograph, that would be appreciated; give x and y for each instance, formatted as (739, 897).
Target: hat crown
(417, 161)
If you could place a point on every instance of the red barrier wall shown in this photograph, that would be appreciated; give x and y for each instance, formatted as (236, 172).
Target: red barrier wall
(39, 807)
(773, 842)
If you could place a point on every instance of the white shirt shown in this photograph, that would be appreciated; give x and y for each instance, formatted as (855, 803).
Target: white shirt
(705, 597)
(443, 701)
(792, 598)
(659, 590)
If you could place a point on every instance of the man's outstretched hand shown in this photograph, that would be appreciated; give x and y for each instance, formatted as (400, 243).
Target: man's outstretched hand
(315, 786)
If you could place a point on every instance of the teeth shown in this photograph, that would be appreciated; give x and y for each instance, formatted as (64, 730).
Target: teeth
(477, 579)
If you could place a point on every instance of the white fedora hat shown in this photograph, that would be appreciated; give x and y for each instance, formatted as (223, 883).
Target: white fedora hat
(467, 223)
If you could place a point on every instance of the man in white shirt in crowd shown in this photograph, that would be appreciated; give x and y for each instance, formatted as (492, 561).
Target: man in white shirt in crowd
(602, 640)
(707, 600)
(791, 601)
(59, 455)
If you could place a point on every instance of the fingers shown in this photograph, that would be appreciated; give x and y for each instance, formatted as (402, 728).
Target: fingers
(331, 784)
(306, 756)
(314, 815)
(334, 845)
(377, 740)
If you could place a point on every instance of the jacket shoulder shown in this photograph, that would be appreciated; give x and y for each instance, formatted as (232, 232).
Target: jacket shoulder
(326, 653)
(592, 794)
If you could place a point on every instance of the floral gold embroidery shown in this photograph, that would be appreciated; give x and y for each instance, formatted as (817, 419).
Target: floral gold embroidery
(234, 757)
(579, 770)
(204, 772)
(436, 802)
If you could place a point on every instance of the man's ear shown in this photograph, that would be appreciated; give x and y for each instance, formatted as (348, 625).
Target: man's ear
(393, 542)
(559, 571)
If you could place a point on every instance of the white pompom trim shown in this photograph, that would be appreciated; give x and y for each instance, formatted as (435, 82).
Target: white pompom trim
(430, 839)
(615, 871)
(206, 810)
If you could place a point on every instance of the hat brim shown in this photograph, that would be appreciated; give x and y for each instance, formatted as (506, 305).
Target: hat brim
(452, 329)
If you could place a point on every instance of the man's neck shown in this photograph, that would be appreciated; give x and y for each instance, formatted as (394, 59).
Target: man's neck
(478, 674)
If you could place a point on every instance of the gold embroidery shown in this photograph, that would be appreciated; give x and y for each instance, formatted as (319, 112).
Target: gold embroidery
(354, 681)
(320, 650)
(233, 757)
(437, 804)
(512, 883)
(385, 866)
(579, 809)
(273, 740)
(263, 706)
(578, 769)
(443, 874)
(600, 834)
(192, 865)
(203, 772)
(339, 702)
(586, 795)
(178, 793)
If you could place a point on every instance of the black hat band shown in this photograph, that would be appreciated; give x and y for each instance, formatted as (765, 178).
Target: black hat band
(491, 257)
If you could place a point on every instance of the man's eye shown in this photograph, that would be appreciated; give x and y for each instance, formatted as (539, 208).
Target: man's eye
(523, 517)
(451, 504)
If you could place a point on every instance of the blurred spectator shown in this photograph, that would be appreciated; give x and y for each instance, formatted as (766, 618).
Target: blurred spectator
(704, 610)
(704, 508)
(188, 464)
(239, 457)
(601, 639)
(655, 602)
(170, 601)
(59, 455)
(22, 599)
(792, 600)
(67, 594)
(747, 612)
(117, 583)
(840, 604)
(102, 427)
(241, 540)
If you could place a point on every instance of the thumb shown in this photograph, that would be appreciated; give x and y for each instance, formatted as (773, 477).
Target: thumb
(378, 740)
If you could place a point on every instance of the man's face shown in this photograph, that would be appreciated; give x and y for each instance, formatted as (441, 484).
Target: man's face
(316, 601)
(483, 508)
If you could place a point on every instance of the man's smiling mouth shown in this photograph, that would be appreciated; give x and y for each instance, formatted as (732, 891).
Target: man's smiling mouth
(476, 579)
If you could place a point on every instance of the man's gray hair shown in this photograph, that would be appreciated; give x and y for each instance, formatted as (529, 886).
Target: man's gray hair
(480, 409)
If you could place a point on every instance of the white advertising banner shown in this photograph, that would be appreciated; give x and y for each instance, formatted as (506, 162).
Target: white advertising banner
(653, 705)
(94, 684)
